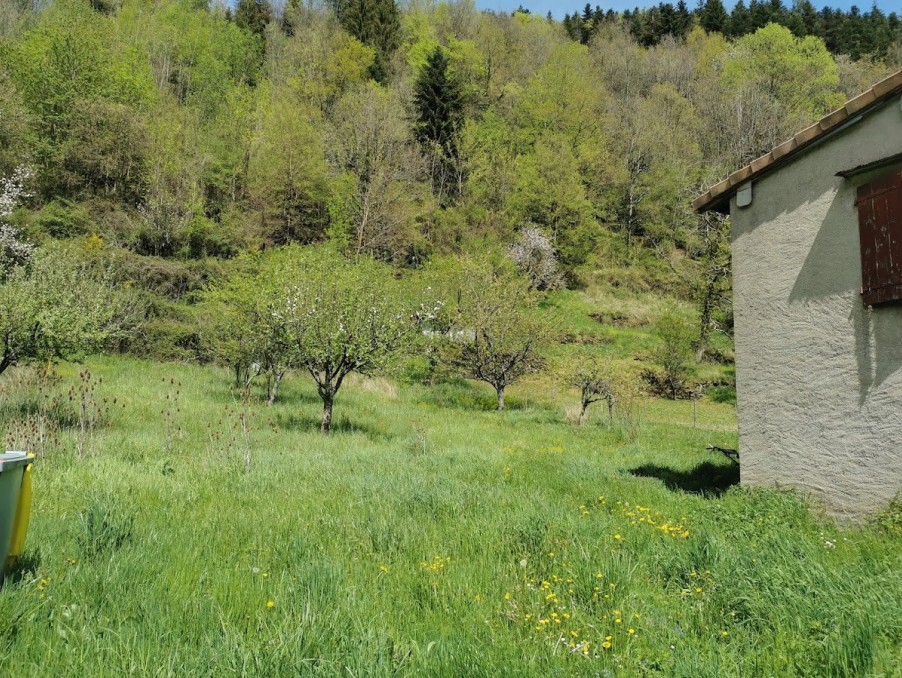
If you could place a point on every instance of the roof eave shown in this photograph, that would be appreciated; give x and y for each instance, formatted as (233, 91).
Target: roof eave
(717, 198)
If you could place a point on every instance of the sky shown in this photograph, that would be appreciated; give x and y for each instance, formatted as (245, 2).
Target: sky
(560, 7)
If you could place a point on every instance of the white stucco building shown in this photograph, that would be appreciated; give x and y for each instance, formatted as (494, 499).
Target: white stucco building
(817, 277)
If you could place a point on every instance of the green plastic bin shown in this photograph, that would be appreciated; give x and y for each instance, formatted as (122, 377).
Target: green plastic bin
(12, 471)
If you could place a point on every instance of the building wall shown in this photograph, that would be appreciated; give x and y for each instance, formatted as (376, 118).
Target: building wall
(818, 373)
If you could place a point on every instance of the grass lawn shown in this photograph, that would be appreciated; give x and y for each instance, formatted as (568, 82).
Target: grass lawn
(427, 535)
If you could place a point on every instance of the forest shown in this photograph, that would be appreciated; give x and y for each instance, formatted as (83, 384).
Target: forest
(171, 140)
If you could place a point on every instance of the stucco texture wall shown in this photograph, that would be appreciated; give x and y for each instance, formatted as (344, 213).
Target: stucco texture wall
(818, 373)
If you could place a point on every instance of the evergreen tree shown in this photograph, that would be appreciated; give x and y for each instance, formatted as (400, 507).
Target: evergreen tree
(713, 17)
(253, 15)
(776, 11)
(377, 24)
(740, 21)
(667, 24)
(439, 115)
(809, 17)
(683, 19)
(572, 26)
(598, 17)
(759, 15)
(588, 25)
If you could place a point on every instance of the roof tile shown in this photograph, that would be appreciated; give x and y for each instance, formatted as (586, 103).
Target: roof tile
(888, 85)
(717, 194)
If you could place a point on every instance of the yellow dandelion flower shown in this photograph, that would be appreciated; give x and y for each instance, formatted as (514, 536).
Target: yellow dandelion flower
(270, 604)
(632, 632)
(606, 645)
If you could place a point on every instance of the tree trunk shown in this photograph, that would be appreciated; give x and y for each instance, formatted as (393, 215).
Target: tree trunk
(610, 409)
(582, 412)
(326, 425)
(500, 391)
(274, 387)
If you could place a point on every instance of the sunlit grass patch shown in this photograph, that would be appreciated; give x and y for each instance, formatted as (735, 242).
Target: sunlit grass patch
(427, 537)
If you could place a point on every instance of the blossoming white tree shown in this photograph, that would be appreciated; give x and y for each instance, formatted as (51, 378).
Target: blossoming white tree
(57, 307)
(536, 258)
(14, 251)
(342, 317)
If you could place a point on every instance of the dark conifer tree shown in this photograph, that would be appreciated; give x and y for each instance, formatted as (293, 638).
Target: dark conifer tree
(588, 24)
(683, 19)
(572, 26)
(740, 21)
(253, 15)
(759, 16)
(667, 21)
(713, 17)
(377, 24)
(438, 102)
(598, 17)
(776, 12)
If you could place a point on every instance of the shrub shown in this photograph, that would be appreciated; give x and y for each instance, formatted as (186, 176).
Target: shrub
(536, 258)
(63, 219)
(674, 353)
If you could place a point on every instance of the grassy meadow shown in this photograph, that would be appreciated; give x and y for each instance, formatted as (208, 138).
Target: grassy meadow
(190, 532)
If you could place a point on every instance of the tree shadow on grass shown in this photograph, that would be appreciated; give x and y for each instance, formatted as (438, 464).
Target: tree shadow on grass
(461, 394)
(25, 568)
(706, 478)
(300, 422)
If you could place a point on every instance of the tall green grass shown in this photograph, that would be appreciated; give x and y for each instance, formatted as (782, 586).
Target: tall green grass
(427, 536)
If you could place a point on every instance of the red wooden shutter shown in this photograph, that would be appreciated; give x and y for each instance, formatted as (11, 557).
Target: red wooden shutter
(880, 228)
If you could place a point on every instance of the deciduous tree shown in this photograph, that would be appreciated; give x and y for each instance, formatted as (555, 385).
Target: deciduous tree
(342, 317)
(495, 333)
(58, 307)
(596, 382)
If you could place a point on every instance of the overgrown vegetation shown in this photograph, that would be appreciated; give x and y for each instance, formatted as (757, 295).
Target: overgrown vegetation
(484, 545)
(471, 226)
(171, 137)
